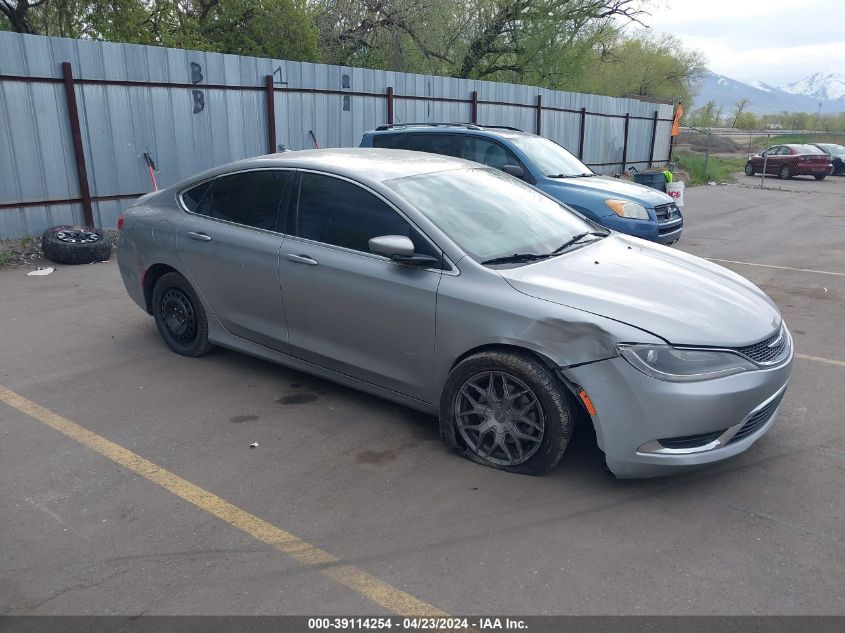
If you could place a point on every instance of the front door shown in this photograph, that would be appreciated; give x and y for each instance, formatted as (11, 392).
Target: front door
(230, 245)
(350, 310)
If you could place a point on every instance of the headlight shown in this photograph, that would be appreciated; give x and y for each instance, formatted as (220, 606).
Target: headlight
(627, 209)
(683, 365)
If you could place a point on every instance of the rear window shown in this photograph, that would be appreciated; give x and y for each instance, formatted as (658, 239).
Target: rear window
(432, 143)
(807, 149)
(389, 141)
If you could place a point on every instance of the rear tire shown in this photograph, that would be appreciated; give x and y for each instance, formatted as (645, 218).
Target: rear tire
(749, 169)
(507, 411)
(819, 176)
(180, 317)
(785, 172)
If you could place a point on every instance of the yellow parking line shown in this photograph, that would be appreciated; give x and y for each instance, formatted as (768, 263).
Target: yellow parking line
(800, 270)
(380, 592)
(819, 359)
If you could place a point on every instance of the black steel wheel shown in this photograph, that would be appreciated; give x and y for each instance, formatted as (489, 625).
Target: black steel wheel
(507, 410)
(179, 316)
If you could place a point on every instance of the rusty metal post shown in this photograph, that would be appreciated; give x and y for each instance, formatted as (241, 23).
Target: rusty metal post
(474, 107)
(539, 121)
(76, 137)
(390, 105)
(625, 143)
(653, 140)
(271, 114)
(581, 136)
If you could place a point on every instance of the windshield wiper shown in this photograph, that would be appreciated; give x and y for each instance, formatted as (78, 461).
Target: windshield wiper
(575, 239)
(582, 175)
(516, 258)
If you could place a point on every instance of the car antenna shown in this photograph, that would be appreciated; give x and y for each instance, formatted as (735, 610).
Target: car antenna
(314, 138)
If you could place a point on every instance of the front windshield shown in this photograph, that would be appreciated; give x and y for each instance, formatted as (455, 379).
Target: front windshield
(549, 157)
(490, 214)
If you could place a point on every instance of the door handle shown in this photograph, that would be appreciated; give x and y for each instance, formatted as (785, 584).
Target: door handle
(202, 237)
(302, 259)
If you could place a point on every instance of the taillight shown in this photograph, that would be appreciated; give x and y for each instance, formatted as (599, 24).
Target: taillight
(120, 220)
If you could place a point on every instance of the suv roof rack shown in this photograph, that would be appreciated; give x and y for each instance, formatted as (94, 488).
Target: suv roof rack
(470, 126)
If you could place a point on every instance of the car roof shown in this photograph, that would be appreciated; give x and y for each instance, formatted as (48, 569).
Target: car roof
(459, 128)
(363, 164)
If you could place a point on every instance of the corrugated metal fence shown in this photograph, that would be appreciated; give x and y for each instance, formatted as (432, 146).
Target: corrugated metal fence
(77, 116)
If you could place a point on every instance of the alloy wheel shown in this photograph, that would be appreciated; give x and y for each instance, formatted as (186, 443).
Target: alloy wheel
(500, 418)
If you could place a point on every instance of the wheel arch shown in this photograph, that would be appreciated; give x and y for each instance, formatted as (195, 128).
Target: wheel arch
(150, 277)
(505, 347)
(569, 387)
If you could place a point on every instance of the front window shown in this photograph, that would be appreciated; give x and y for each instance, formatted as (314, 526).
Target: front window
(550, 158)
(491, 215)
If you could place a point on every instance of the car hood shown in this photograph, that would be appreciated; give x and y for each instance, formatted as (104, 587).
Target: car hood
(681, 298)
(616, 187)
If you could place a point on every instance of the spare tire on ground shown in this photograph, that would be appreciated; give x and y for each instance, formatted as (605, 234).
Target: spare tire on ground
(74, 244)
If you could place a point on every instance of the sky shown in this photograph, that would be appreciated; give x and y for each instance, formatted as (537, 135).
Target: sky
(774, 41)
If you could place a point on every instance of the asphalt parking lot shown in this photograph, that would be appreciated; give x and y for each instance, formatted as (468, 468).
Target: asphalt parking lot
(351, 505)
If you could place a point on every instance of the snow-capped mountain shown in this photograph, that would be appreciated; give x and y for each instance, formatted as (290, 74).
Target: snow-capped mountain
(801, 96)
(826, 85)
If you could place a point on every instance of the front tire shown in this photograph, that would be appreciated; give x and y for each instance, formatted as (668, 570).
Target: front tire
(749, 169)
(180, 317)
(507, 411)
(819, 176)
(785, 172)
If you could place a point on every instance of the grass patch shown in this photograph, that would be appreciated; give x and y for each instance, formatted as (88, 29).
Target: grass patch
(719, 169)
(6, 259)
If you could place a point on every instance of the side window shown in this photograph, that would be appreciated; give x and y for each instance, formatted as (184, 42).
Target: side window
(337, 212)
(389, 141)
(432, 143)
(781, 151)
(252, 198)
(196, 198)
(487, 152)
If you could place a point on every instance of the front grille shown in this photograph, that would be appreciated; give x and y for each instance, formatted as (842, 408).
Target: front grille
(769, 350)
(667, 212)
(758, 419)
(662, 229)
(690, 441)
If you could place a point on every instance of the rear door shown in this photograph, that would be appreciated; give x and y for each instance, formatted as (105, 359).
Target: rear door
(776, 160)
(348, 309)
(229, 241)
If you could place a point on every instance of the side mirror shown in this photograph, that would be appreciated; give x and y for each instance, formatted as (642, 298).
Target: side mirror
(401, 249)
(514, 170)
(392, 245)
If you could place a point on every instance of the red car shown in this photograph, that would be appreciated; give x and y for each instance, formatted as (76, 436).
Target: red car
(787, 161)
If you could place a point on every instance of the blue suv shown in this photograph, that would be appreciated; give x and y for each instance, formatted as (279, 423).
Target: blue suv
(617, 204)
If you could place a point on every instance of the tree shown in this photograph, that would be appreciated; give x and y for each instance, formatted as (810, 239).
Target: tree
(739, 107)
(17, 13)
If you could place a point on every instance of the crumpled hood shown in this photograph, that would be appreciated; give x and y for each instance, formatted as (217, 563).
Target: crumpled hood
(617, 187)
(681, 298)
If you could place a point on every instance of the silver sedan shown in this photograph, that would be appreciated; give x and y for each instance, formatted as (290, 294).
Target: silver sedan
(463, 292)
